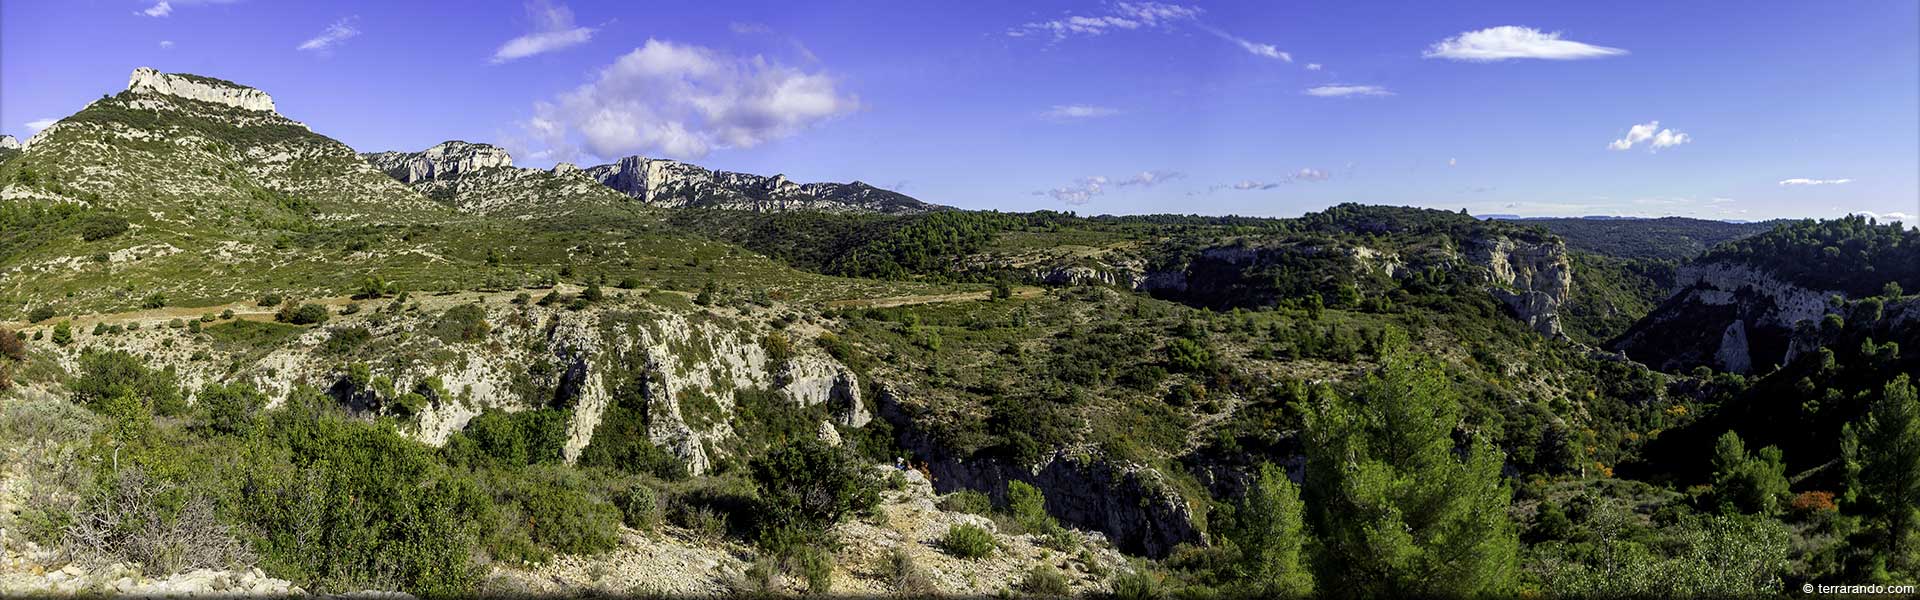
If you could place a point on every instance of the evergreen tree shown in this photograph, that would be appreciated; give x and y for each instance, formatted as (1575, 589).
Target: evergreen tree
(1270, 534)
(1882, 456)
(1397, 511)
(1745, 482)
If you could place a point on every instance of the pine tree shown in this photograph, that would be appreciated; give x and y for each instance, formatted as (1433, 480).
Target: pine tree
(1396, 510)
(1882, 457)
(1270, 534)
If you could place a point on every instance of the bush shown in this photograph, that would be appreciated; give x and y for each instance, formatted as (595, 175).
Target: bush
(502, 439)
(154, 300)
(102, 227)
(232, 408)
(104, 375)
(40, 314)
(1044, 580)
(640, 508)
(905, 575)
(342, 341)
(808, 487)
(272, 300)
(304, 314)
(967, 541)
(464, 323)
(561, 515)
(63, 333)
(11, 346)
(130, 520)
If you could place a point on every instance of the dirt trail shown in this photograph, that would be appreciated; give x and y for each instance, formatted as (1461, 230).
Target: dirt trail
(252, 311)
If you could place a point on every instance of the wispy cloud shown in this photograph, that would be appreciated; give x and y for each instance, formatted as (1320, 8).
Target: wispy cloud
(685, 101)
(1085, 189)
(553, 30)
(1805, 181)
(1309, 175)
(159, 9)
(1650, 133)
(1252, 47)
(40, 124)
(1303, 175)
(1151, 178)
(1313, 66)
(1510, 42)
(1122, 17)
(1254, 185)
(340, 31)
(1078, 111)
(1339, 90)
(1129, 16)
(743, 28)
(163, 8)
(1080, 192)
(166, 44)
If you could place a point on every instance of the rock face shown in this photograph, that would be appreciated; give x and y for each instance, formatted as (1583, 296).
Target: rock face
(448, 159)
(674, 184)
(481, 178)
(1533, 279)
(1133, 505)
(204, 89)
(1725, 315)
(8, 143)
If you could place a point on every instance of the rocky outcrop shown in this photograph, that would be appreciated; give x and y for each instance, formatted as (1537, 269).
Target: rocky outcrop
(8, 143)
(204, 89)
(1725, 315)
(445, 160)
(674, 184)
(1133, 505)
(1532, 278)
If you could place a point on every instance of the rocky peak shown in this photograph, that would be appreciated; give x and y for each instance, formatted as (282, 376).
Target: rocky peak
(1532, 278)
(8, 143)
(195, 87)
(447, 159)
(674, 184)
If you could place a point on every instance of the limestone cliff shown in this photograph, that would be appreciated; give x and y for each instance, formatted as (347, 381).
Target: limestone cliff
(1532, 278)
(1729, 316)
(481, 179)
(674, 184)
(195, 87)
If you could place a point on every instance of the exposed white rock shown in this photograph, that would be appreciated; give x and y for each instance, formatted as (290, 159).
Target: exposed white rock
(8, 143)
(670, 183)
(1534, 279)
(199, 88)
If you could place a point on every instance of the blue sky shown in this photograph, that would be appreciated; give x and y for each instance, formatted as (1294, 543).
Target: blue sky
(1767, 109)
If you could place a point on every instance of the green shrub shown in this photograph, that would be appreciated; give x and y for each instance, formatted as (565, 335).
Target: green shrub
(40, 313)
(272, 300)
(462, 324)
(807, 487)
(967, 541)
(103, 375)
(563, 516)
(640, 508)
(1044, 580)
(63, 333)
(102, 227)
(503, 439)
(304, 314)
(232, 408)
(967, 501)
(154, 300)
(342, 341)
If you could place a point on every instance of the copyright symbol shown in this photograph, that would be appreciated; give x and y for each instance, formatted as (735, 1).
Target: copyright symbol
(1806, 588)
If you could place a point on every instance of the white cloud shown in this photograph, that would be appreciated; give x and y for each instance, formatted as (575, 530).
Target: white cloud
(684, 101)
(1805, 181)
(333, 35)
(1079, 111)
(1081, 192)
(1151, 178)
(1123, 16)
(159, 9)
(1309, 175)
(1255, 185)
(166, 44)
(1252, 47)
(553, 30)
(38, 125)
(1509, 42)
(1313, 66)
(1886, 217)
(1453, 162)
(1341, 90)
(1650, 133)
